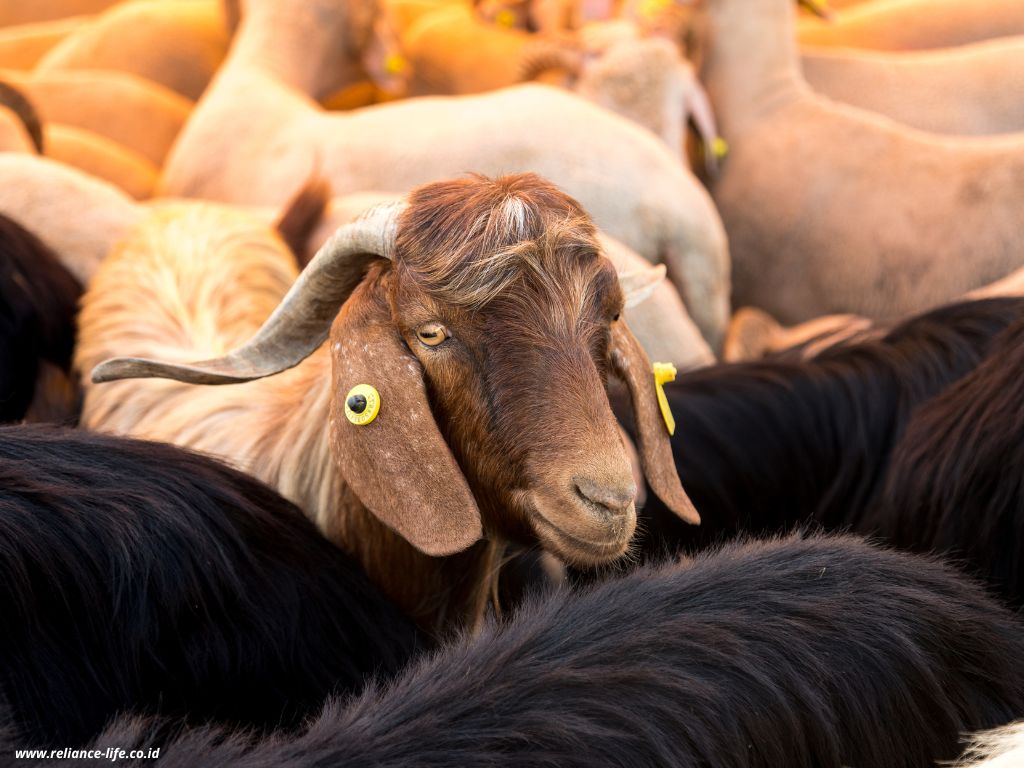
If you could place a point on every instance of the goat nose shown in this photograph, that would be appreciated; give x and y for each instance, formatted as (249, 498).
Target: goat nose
(613, 497)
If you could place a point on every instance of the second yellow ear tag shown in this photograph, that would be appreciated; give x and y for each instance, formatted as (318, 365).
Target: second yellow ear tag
(362, 404)
(663, 373)
(395, 64)
(505, 18)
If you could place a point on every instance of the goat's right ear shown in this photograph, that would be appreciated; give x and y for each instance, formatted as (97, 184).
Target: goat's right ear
(631, 364)
(398, 463)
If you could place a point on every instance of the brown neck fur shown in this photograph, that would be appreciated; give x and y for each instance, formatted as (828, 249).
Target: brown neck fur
(441, 593)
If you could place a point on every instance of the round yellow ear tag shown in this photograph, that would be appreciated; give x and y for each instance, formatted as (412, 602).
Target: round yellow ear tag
(362, 404)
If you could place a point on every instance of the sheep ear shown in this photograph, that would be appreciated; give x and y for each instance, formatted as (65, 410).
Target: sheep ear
(631, 364)
(398, 464)
(638, 284)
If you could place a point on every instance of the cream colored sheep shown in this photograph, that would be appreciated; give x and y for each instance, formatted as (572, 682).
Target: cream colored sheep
(970, 89)
(177, 43)
(453, 51)
(140, 115)
(15, 12)
(644, 79)
(257, 134)
(831, 209)
(77, 216)
(102, 158)
(22, 47)
(898, 25)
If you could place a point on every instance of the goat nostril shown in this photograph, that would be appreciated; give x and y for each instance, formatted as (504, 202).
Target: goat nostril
(613, 499)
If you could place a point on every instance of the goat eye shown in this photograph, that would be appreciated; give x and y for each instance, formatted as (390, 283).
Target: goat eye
(432, 334)
(615, 317)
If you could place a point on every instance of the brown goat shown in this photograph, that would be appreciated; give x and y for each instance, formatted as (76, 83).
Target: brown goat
(483, 313)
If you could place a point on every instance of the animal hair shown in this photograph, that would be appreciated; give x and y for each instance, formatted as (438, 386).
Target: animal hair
(38, 303)
(956, 478)
(798, 652)
(187, 304)
(767, 445)
(465, 241)
(998, 748)
(142, 577)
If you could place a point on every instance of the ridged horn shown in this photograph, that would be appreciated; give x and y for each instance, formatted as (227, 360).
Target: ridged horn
(302, 320)
(541, 56)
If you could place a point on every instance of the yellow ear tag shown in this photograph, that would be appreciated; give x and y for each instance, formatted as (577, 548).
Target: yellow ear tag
(719, 147)
(362, 404)
(664, 372)
(505, 18)
(649, 8)
(395, 64)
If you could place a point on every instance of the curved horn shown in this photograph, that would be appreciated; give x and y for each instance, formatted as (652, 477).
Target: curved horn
(541, 56)
(301, 321)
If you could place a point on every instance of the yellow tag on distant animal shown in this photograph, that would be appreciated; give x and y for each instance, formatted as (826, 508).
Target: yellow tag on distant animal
(505, 18)
(663, 373)
(719, 147)
(649, 8)
(395, 64)
(362, 404)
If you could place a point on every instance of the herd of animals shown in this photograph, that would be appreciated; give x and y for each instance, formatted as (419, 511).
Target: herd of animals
(229, 227)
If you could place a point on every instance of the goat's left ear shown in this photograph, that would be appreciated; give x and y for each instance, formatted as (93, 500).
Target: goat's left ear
(638, 284)
(630, 362)
(398, 464)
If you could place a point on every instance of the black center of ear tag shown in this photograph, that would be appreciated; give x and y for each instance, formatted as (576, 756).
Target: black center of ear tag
(362, 404)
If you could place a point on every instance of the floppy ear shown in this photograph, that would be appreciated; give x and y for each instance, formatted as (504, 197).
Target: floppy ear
(398, 464)
(631, 364)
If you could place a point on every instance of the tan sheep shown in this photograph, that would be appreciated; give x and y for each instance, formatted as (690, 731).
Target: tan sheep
(17, 12)
(102, 158)
(77, 216)
(177, 43)
(831, 209)
(22, 47)
(141, 116)
(258, 134)
(970, 89)
(900, 25)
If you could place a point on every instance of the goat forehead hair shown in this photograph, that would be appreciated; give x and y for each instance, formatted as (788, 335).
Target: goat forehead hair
(466, 241)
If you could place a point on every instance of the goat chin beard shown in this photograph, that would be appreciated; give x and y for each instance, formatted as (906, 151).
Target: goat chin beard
(574, 547)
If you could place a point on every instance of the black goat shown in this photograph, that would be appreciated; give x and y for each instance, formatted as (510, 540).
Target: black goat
(956, 479)
(38, 301)
(801, 652)
(138, 576)
(765, 446)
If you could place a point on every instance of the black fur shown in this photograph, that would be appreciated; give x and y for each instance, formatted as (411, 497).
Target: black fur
(803, 653)
(764, 446)
(38, 302)
(138, 576)
(956, 481)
